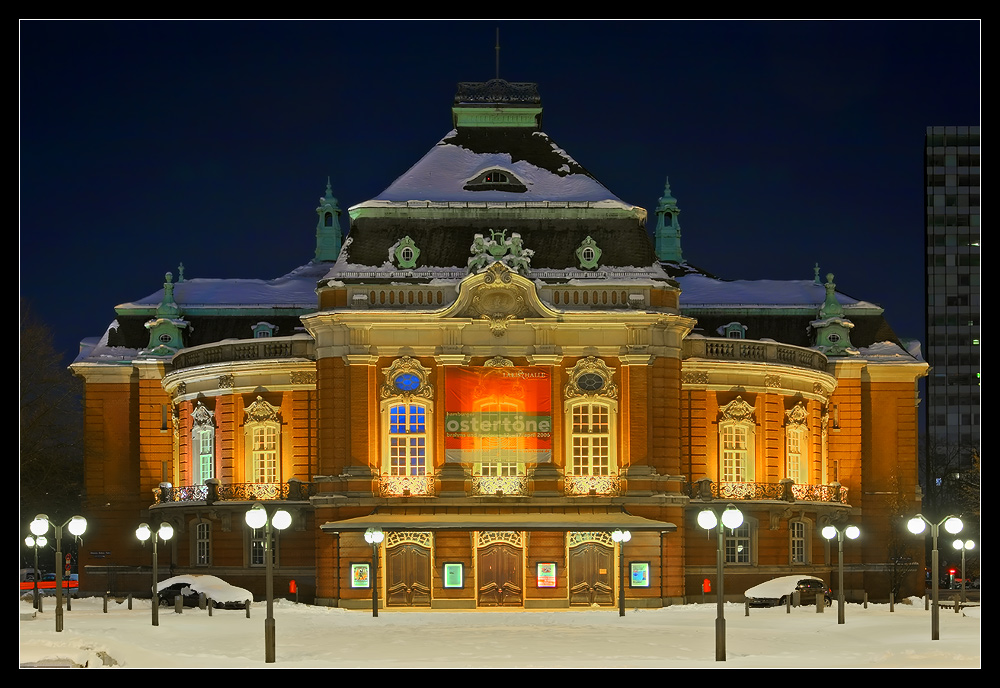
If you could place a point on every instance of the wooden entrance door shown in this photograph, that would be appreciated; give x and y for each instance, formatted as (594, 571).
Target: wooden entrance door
(499, 570)
(408, 576)
(591, 574)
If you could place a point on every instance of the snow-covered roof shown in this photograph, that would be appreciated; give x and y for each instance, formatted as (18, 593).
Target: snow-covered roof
(547, 171)
(297, 289)
(699, 291)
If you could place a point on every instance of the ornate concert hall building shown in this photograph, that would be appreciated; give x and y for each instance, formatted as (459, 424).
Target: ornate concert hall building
(498, 368)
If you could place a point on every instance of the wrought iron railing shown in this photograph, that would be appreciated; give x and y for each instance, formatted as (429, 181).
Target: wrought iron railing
(499, 485)
(780, 491)
(214, 491)
(405, 485)
(592, 485)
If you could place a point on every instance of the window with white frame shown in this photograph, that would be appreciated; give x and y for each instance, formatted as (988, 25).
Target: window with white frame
(591, 439)
(591, 411)
(407, 419)
(736, 442)
(257, 538)
(407, 439)
(738, 544)
(203, 543)
(796, 444)
(797, 533)
(499, 455)
(262, 431)
(202, 444)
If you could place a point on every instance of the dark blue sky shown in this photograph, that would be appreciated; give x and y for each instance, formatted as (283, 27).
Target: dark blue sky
(146, 144)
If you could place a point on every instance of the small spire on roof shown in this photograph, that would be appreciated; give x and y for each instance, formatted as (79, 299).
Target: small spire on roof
(180, 273)
(816, 274)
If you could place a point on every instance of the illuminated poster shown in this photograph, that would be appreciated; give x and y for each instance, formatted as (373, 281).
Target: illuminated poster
(639, 574)
(359, 575)
(546, 574)
(498, 415)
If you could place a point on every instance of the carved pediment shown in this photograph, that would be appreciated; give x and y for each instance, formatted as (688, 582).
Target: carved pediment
(499, 296)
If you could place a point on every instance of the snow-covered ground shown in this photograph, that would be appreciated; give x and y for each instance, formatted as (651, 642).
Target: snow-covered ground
(673, 637)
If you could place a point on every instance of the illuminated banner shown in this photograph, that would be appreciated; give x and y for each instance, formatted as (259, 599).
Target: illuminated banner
(497, 415)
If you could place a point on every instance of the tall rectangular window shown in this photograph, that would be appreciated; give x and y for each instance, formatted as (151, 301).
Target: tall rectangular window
(734, 453)
(797, 531)
(265, 454)
(407, 439)
(203, 544)
(591, 440)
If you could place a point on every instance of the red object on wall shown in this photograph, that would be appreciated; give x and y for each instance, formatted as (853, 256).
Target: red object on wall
(706, 585)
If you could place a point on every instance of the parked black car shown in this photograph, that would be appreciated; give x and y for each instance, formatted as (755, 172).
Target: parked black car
(775, 592)
(189, 587)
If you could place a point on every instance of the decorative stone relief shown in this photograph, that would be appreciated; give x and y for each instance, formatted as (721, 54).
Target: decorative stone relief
(698, 377)
(260, 411)
(227, 381)
(499, 362)
(303, 377)
(591, 377)
(406, 377)
(738, 410)
(796, 415)
(772, 381)
(498, 248)
(404, 253)
(588, 253)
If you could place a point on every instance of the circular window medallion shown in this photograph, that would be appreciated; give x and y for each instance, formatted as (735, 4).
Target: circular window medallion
(165, 338)
(834, 338)
(590, 382)
(406, 382)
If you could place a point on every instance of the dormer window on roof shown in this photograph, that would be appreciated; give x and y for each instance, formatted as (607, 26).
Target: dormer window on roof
(496, 180)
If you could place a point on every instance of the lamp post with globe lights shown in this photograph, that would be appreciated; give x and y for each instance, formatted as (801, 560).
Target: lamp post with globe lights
(279, 519)
(35, 543)
(731, 518)
(77, 526)
(829, 532)
(374, 537)
(917, 525)
(962, 546)
(621, 537)
(165, 532)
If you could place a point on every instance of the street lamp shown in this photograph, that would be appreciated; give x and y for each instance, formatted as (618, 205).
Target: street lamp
(374, 537)
(165, 532)
(852, 532)
(731, 518)
(35, 543)
(917, 525)
(257, 518)
(959, 545)
(40, 526)
(621, 537)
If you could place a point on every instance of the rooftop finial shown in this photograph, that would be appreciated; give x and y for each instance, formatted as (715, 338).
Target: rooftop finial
(816, 274)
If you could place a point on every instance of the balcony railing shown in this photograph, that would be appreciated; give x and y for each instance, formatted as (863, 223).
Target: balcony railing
(753, 350)
(405, 485)
(214, 491)
(499, 485)
(785, 490)
(245, 350)
(592, 485)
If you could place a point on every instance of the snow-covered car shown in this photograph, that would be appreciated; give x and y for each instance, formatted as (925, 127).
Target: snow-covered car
(776, 592)
(189, 587)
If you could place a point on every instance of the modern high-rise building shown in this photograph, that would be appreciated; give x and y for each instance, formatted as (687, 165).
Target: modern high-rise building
(953, 299)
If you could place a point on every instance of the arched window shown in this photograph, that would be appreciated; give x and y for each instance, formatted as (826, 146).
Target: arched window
(736, 442)
(796, 445)
(262, 433)
(407, 419)
(202, 444)
(591, 412)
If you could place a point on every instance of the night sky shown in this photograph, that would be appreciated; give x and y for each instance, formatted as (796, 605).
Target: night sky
(147, 144)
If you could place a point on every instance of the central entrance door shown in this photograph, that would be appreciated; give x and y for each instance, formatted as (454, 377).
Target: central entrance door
(591, 569)
(499, 569)
(408, 572)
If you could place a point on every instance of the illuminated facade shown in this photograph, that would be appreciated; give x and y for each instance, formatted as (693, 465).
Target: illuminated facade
(498, 369)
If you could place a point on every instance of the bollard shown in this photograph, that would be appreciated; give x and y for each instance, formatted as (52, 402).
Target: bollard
(247, 603)
(927, 602)
(69, 601)
(130, 601)
(106, 602)
(179, 604)
(958, 606)
(40, 605)
(820, 603)
(892, 601)
(202, 600)
(788, 604)
(866, 600)
(211, 606)
(747, 606)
